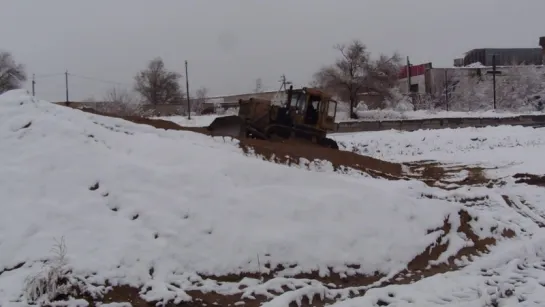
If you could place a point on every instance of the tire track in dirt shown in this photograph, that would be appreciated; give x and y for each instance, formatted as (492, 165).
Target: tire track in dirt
(524, 209)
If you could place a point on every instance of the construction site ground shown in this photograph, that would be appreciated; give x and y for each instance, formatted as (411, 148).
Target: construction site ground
(476, 187)
(292, 152)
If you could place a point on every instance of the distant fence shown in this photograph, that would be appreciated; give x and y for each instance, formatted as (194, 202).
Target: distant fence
(440, 123)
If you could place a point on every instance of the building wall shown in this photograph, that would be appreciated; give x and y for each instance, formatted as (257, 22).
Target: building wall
(504, 56)
(418, 77)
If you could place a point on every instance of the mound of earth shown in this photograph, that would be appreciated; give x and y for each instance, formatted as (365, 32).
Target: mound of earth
(304, 154)
(145, 215)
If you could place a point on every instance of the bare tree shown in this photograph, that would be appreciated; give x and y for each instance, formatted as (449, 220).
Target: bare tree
(355, 73)
(258, 86)
(119, 101)
(198, 102)
(157, 85)
(118, 96)
(12, 75)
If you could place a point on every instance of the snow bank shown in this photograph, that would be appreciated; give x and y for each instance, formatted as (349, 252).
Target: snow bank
(391, 114)
(141, 206)
(195, 121)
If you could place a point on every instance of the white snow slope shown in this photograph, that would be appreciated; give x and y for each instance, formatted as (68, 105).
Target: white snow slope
(151, 208)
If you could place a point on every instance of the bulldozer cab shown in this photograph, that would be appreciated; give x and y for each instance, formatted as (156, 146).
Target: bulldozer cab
(314, 108)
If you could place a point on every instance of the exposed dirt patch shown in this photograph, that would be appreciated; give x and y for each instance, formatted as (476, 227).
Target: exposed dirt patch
(530, 179)
(434, 251)
(420, 267)
(447, 176)
(292, 152)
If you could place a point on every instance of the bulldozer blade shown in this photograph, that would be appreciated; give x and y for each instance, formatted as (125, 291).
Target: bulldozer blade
(227, 126)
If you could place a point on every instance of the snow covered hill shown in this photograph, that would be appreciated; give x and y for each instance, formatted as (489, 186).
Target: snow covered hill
(176, 215)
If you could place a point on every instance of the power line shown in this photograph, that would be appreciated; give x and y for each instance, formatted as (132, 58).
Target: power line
(43, 76)
(97, 79)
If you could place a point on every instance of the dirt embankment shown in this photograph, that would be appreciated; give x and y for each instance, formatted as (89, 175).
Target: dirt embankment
(286, 152)
(291, 153)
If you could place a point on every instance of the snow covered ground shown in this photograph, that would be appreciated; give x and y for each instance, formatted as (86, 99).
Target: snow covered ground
(195, 121)
(152, 208)
(513, 274)
(513, 148)
(389, 114)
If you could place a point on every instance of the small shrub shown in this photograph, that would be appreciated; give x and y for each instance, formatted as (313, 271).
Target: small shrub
(52, 281)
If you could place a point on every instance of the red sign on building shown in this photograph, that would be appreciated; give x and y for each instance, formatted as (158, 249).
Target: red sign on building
(416, 70)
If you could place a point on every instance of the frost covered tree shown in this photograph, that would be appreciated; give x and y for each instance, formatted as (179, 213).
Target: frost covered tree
(197, 104)
(354, 72)
(516, 87)
(469, 92)
(120, 101)
(12, 74)
(157, 85)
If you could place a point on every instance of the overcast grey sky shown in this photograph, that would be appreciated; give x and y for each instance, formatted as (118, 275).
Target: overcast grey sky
(230, 43)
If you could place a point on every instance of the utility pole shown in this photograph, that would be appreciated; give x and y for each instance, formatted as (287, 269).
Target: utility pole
(66, 84)
(409, 84)
(494, 77)
(494, 72)
(187, 92)
(284, 82)
(33, 85)
(408, 75)
(446, 88)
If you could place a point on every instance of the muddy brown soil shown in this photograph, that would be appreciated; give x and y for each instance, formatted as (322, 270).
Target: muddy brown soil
(420, 267)
(530, 179)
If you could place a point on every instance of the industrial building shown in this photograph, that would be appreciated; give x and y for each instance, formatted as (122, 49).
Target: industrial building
(504, 56)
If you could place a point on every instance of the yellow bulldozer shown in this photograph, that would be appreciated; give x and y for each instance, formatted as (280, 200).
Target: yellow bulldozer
(307, 114)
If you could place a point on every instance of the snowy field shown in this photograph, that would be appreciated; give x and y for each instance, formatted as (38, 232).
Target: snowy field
(512, 148)
(389, 114)
(512, 274)
(161, 210)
